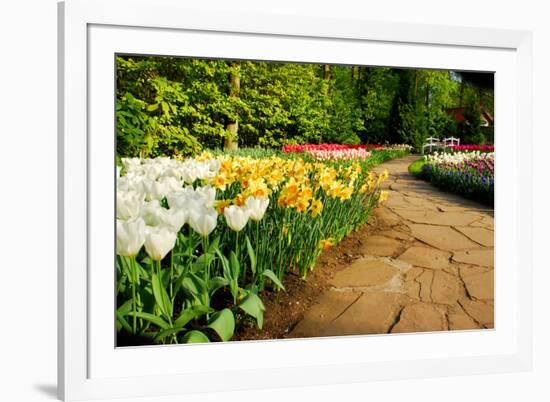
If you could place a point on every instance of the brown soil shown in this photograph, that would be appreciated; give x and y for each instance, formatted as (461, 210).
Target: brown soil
(286, 308)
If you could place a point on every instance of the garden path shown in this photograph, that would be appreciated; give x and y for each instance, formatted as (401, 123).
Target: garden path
(427, 266)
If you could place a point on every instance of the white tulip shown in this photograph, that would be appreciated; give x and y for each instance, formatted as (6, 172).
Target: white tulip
(171, 184)
(130, 236)
(178, 199)
(154, 190)
(236, 217)
(130, 182)
(175, 219)
(208, 194)
(190, 174)
(257, 207)
(203, 220)
(214, 166)
(128, 204)
(131, 163)
(159, 241)
(153, 214)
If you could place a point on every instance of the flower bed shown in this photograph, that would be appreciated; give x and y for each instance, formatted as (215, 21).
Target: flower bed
(320, 147)
(359, 153)
(199, 239)
(340, 151)
(485, 148)
(467, 173)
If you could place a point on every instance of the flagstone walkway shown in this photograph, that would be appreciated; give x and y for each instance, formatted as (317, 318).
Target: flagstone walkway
(427, 267)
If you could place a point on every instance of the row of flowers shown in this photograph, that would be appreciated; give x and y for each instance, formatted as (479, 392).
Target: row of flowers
(341, 151)
(470, 174)
(298, 148)
(359, 153)
(485, 148)
(199, 239)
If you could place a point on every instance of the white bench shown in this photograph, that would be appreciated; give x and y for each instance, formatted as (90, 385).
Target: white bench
(433, 142)
(451, 141)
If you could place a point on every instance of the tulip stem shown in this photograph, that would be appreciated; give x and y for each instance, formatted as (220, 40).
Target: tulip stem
(205, 246)
(172, 271)
(237, 251)
(134, 280)
(258, 262)
(159, 269)
(189, 252)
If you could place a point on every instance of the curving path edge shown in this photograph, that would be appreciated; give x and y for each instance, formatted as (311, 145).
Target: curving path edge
(427, 266)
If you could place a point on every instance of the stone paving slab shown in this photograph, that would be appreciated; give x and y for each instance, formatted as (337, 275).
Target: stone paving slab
(364, 273)
(432, 217)
(479, 282)
(421, 317)
(372, 313)
(383, 246)
(328, 307)
(441, 237)
(484, 257)
(427, 267)
(427, 257)
(480, 235)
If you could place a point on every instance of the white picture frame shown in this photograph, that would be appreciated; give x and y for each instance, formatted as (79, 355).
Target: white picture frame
(91, 32)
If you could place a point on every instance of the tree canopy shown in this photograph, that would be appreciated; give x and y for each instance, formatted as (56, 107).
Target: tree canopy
(185, 104)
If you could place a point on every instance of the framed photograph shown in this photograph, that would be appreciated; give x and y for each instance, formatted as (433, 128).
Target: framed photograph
(254, 201)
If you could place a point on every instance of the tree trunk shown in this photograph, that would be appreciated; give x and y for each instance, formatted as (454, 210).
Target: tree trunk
(415, 87)
(355, 72)
(427, 99)
(326, 77)
(231, 141)
(326, 71)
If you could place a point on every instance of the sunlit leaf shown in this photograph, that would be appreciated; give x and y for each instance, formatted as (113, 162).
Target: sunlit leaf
(223, 322)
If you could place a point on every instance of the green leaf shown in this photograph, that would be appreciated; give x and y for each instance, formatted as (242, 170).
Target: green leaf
(168, 332)
(179, 281)
(125, 267)
(123, 322)
(271, 275)
(225, 264)
(198, 283)
(202, 262)
(153, 319)
(253, 306)
(190, 314)
(235, 266)
(216, 283)
(213, 247)
(223, 322)
(153, 107)
(161, 296)
(195, 337)
(142, 272)
(251, 255)
(125, 308)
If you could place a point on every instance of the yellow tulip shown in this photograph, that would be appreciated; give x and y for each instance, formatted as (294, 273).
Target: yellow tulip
(383, 196)
(316, 207)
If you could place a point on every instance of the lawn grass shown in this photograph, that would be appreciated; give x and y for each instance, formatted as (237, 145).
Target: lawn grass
(415, 168)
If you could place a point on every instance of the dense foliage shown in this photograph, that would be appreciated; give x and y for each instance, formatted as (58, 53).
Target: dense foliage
(168, 105)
